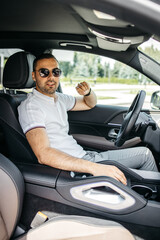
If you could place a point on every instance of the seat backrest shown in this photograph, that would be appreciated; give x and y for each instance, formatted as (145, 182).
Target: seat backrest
(11, 197)
(17, 75)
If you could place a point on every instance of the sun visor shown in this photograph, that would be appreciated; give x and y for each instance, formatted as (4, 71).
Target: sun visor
(114, 42)
(108, 44)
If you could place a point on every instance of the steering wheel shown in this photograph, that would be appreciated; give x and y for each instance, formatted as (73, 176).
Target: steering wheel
(130, 118)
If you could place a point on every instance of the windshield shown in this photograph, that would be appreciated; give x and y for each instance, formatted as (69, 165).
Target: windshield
(151, 48)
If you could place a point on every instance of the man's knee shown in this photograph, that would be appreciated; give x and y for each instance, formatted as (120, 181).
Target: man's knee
(146, 153)
(149, 154)
(149, 160)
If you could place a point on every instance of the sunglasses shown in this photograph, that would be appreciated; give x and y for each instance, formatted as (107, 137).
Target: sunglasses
(44, 72)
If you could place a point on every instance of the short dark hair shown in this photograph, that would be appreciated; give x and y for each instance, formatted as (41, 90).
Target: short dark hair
(42, 56)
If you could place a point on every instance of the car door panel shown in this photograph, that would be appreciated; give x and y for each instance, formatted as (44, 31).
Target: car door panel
(101, 143)
(99, 114)
(97, 128)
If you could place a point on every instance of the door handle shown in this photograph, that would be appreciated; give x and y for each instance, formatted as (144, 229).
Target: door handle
(113, 133)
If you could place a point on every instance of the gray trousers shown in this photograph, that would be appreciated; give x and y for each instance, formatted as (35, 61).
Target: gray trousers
(136, 158)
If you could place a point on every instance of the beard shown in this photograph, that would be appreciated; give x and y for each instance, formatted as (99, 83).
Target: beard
(48, 88)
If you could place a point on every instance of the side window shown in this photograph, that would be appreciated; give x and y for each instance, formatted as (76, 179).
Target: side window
(114, 82)
(4, 55)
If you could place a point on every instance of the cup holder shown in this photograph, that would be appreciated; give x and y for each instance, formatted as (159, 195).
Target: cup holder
(145, 191)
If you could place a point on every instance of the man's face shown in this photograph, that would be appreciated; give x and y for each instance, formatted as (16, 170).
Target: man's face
(46, 85)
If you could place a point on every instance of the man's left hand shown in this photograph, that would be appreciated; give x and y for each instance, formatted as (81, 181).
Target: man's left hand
(83, 88)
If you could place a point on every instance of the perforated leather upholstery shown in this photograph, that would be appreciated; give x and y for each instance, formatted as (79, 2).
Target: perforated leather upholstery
(11, 196)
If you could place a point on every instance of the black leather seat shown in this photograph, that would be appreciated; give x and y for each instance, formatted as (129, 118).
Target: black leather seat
(12, 189)
(17, 75)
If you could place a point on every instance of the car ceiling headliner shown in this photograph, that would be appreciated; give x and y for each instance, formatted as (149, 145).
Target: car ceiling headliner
(42, 23)
(38, 16)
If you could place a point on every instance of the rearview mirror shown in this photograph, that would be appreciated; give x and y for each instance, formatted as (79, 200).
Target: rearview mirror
(155, 100)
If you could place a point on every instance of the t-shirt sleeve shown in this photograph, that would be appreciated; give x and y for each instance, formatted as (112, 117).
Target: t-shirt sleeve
(69, 101)
(30, 116)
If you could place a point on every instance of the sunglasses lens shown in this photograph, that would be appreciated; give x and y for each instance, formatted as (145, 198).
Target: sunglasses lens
(56, 72)
(44, 72)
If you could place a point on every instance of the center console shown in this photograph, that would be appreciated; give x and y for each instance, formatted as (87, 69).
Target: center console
(138, 202)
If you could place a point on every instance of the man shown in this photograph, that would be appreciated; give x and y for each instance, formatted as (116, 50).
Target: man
(43, 117)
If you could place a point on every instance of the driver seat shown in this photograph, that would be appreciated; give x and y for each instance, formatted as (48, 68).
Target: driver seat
(16, 75)
(65, 227)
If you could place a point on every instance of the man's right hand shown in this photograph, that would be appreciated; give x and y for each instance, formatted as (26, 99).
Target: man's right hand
(110, 171)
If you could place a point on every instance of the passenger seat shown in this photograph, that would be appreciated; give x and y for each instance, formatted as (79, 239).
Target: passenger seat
(65, 227)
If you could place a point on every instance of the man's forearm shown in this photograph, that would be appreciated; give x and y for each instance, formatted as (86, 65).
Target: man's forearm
(60, 160)
(63, 161)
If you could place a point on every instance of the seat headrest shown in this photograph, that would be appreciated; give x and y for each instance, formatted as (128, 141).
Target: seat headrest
(17, 71)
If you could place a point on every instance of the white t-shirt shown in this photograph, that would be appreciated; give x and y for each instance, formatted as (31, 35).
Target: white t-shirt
(39, 110)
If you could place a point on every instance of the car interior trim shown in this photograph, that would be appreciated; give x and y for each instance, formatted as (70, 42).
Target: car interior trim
(117, 201)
